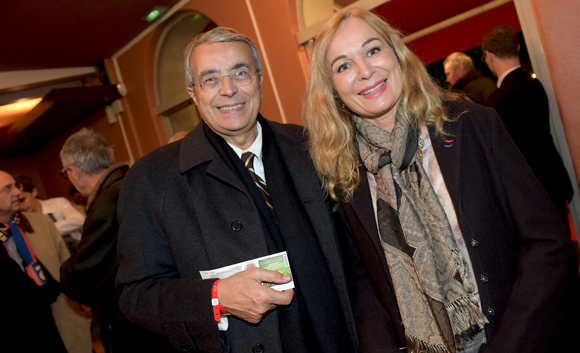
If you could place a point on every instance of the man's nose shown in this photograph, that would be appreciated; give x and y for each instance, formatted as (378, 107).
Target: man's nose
(228, 88)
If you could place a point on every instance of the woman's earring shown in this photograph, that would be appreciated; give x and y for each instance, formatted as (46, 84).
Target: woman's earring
(339, 101)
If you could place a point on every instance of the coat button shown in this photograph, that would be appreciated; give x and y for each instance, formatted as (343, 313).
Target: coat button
(474, 243)
(490, 311)
(483, 279)
(185, 347)
(258, 348)
(236, 226)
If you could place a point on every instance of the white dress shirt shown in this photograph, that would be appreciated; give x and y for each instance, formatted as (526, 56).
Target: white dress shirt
(255, 148)
(66, 218)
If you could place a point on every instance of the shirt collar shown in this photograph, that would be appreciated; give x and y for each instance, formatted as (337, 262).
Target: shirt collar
(255, 148)
(500, 79)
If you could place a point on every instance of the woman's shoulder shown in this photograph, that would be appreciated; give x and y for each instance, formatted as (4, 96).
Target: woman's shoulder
(462, 108)
(462, 113)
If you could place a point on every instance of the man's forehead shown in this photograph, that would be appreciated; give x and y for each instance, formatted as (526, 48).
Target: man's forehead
(5, 178)
(221, 57)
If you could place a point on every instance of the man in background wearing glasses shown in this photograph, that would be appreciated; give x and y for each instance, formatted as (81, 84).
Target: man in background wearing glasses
(88, 276)
(204, 202)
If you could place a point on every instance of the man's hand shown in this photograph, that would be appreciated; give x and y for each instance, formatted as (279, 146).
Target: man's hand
(244, 296)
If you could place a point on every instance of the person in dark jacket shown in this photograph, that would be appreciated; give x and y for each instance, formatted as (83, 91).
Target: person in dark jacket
(522, 104)
(28, 288)
(88, 276)
(198, 204)
(450, 244)
(462, 75)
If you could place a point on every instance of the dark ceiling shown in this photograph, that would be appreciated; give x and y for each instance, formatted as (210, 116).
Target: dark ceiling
(40, 34)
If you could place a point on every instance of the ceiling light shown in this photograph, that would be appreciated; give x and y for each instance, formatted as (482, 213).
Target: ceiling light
(154, 13)
(9, 113)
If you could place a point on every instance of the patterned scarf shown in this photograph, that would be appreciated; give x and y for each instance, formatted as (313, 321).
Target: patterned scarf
(430, 276)
(18, 219)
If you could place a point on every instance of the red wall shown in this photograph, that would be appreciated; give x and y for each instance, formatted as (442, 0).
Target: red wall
(464, 35)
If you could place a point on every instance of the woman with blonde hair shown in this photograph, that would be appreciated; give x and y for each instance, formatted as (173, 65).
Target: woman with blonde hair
(445, 231)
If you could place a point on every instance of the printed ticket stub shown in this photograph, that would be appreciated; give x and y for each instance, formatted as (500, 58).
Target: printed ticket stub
(275, 262)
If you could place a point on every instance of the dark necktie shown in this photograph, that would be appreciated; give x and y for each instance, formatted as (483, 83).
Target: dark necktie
(248, 160)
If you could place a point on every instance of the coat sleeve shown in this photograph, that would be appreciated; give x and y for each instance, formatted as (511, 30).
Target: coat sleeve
(154, 292)
(88, 276)
(546, 270)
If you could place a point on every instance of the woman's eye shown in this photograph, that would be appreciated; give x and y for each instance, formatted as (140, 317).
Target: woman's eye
(373, 51)
(343, 67)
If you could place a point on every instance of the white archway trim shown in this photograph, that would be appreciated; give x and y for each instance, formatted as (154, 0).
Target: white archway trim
(455, 19)
(531, 33)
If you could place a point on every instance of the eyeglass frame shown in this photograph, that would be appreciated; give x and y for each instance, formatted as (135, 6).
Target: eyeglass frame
(63, 172)
(8, 188)
(221, 83)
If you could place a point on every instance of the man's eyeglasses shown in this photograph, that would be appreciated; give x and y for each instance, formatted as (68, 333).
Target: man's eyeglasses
(8, 188)
(63, 172)
(212, 82)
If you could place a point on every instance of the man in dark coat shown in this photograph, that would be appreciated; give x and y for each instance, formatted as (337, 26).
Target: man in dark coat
(193, 206)
(88, 276)
(522, 104)
(462, 75)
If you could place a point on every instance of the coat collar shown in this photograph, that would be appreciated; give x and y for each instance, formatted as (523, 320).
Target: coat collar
(197, 150)
(105, 180)
(448, 152)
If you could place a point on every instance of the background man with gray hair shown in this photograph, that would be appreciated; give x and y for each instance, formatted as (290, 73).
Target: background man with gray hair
(237, 188)
(462, 75)
(88, 276)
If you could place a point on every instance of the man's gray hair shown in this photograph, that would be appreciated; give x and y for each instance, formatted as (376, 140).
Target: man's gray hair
(459, 58)
(87, 150)
(217, 35)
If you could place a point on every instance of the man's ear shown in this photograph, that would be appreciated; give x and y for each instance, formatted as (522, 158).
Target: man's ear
(76, 172)
(34, 192)
(490, 55)
(191, 91)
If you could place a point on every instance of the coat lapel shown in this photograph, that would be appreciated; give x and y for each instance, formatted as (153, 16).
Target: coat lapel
(363, 209)
(196, 150)
(448, 152)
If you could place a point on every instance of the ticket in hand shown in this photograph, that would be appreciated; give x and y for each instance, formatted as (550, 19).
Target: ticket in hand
(275, 262)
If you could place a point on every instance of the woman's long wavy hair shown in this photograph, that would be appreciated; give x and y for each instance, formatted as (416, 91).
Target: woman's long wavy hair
(330, 126)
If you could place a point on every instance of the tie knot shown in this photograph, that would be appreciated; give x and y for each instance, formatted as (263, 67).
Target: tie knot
(248, 160)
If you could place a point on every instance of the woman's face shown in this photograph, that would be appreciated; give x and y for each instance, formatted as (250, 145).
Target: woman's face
(365, 72)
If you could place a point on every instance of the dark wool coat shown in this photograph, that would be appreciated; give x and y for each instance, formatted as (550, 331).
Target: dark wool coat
(476, 85)
(521, 254)
(183, 210)
(88, 276)
(522, 104)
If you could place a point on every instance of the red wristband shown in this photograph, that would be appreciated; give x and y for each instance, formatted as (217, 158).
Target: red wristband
(218, 309)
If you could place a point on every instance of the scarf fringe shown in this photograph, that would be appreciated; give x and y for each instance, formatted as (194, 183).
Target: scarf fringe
(416, 345)
(465, 316)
